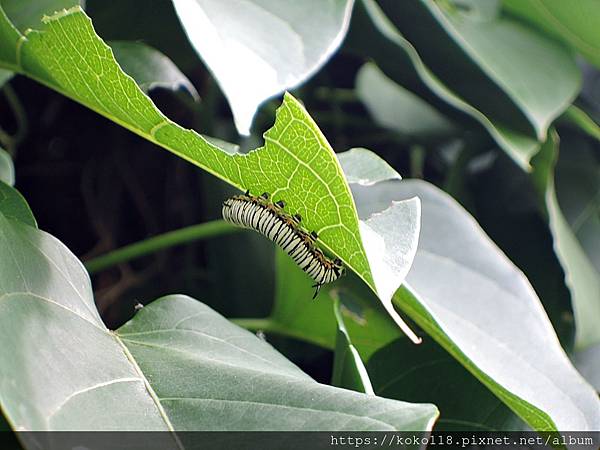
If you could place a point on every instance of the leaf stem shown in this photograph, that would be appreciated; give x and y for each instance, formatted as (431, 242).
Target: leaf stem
(269, 325)
(19, 113)
(417, 160)
(336, 94)
(255, 324)
(11, 142)
(156, 243)
(6, 141)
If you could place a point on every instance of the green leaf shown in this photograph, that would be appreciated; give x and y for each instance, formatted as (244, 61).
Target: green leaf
(293, 314)
(416, 75)
(150, 68)
(498, 65)
(398, 109)
(56, 352)
(582, 120)
(296, 163)
(7, 168)
(484, 312)
(314, 321)
(14, 206)
(463, 401)
(348, 369)
(197, 344)
(581, 277)
(573, 22)
(62, 369)
(12, 203)
(257, 49)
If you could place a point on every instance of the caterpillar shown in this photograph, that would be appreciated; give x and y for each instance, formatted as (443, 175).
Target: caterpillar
(270, 220)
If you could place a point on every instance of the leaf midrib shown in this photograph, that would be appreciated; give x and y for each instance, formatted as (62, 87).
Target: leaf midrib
(196, 357)
(128, 355)
(198, 332)
(18, 68)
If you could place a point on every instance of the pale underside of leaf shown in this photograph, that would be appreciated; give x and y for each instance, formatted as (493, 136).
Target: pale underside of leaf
(491, 314)
(258, 49)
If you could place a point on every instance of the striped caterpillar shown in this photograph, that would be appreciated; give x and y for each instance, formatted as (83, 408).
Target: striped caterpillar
(269, 219)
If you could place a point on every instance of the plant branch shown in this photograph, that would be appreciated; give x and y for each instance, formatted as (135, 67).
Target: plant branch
(156, 243)
(270, 326)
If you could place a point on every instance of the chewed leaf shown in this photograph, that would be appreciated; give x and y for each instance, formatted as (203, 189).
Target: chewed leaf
(26, 14)
(150, 68)
(296, 164)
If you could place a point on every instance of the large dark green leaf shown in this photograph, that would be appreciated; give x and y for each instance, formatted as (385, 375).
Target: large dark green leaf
(477, 305)
(179, 344)
(486, 99)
